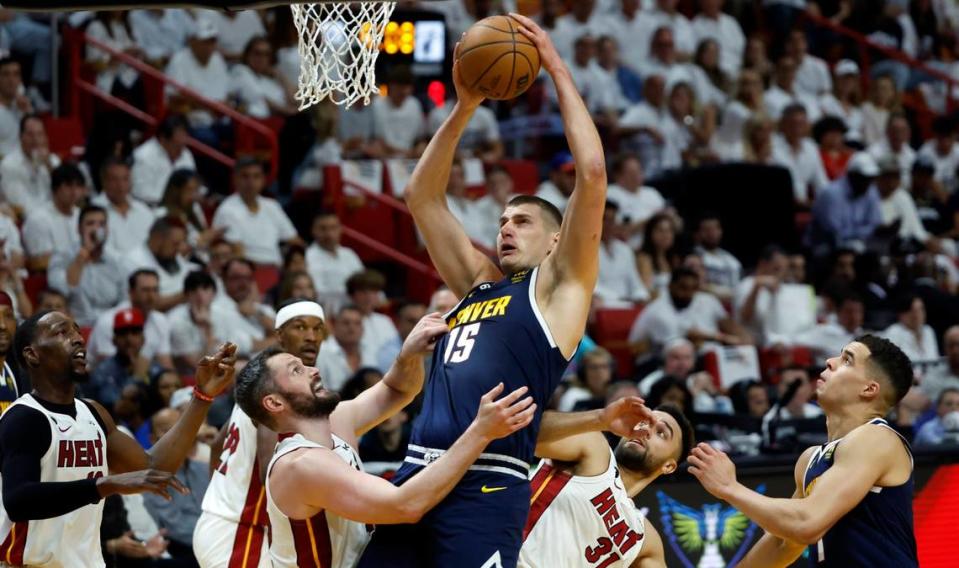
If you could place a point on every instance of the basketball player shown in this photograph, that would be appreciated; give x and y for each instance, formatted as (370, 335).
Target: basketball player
(853, 500)
(582, 511)
(519, 324)
(318, 497)
(232, 528)
(55, 449)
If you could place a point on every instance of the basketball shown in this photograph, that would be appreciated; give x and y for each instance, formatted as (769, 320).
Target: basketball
(496, 60)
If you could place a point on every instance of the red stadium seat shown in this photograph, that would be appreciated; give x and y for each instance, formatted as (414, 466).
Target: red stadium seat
(611, 330)
(525, 175)
(35, 283)
(85, 332)
(773, 361)
(65, 135)
(266, 277)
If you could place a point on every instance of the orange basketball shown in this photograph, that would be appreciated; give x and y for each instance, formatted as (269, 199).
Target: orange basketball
(496, 60)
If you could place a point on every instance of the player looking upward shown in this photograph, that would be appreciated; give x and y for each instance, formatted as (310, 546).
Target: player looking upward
(518, 323)
(853, 501)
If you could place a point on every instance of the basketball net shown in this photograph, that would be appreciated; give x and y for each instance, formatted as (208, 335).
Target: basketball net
(339, 44)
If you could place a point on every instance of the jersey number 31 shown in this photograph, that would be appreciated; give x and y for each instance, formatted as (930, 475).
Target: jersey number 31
(460, 344)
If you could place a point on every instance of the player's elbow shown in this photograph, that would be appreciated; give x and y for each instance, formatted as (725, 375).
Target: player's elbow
(808, 532)
(593, 171)
(409, 511)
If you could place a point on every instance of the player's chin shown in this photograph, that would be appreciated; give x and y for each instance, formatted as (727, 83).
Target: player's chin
(80, 374)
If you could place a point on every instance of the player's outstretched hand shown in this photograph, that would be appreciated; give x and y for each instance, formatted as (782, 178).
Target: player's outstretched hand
(464, 95)
(424, 336)
(215, 372)
(713, 469)
(146, 480)
(548, 56)
(626, 415)
(500, 418)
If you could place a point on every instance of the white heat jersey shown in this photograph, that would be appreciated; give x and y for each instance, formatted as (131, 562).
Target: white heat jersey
(579, 521)
(236, 495)
(325, 540)
(78, 450)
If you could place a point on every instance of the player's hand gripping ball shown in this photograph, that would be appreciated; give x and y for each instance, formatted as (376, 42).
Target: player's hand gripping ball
(496, 60)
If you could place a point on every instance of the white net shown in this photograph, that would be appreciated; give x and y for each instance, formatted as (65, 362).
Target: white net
(339, 43)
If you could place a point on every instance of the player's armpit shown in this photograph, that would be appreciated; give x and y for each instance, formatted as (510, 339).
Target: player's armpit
(653, 554)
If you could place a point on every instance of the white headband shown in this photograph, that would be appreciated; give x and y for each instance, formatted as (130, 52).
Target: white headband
(304, 308)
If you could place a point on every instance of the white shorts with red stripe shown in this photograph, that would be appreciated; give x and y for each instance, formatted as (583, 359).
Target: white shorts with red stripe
(219, 543)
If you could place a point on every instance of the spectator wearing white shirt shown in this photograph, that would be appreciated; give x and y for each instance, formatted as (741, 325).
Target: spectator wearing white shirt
(735, 114)
(723, 270)
(25, 172)
(827, 339)
(241, 297)
(161, 253)
(113, 29)
(257, 224)
(784, 92)
(155, 160)
(666, 13)
(129, 220)
(757, 143)
(328, 262)
(619, 283)
(663, 60)
(845, 99)
(499, 190)
(161, 33)
(582, 19)
(465, 209)
(562, 179)
(234, 30)
(201, 68)
(710, 81)
(812, 73)
(643, 126)
(760, 301)
(625, 84)
(198, 325)
(898, 210)
(54, 227)
(344, 352)
(591, 81)
(629, 26)
(481, 138)
(946, 375)
(637, 202)
(365, 290)
(408, 314)
(262, 91)
(90, 272)
(794, 150)
(182, 200)
(14, 104)
(398, 119)
(143, 291)
(684, 311)
(896, 144)
(798, 407)
(883, 99)
(594, 373)
(943, 152)
(911, 333)
(712, 23)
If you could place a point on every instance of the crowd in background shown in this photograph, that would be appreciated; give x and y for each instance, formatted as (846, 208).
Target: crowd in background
(155, 250)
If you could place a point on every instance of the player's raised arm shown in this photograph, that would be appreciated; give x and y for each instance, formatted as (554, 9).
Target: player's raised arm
(324, 481)
(575, 436)
(399, 386)
(867, 458)
(452, 252)
(576, 257)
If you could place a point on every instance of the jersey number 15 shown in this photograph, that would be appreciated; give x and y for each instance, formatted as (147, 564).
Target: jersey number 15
(460, 343)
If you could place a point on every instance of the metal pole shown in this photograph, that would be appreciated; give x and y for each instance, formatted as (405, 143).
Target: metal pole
(55, 64)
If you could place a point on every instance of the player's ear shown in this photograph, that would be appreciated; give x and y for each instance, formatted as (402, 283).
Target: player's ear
(871, 390)
(669, 467)
(30, 356)
(272, 403)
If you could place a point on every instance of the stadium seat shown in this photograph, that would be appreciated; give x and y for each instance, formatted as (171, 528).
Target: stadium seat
(66, 136)
(35, 283)
(611, 330)
(524, 173)
(266, 277)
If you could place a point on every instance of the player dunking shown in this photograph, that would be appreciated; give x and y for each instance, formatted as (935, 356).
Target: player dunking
(232, 530)
(519, 325)
(853, 500)
(57, 452)
(582, 511)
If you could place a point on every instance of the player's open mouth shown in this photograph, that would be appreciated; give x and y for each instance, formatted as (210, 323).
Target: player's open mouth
(80, 355)
(638, 442)
(506, 249)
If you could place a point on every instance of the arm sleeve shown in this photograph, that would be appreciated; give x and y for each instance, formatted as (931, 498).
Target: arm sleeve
(25, 497)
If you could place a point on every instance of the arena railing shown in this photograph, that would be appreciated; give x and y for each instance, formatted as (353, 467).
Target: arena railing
(78, 39)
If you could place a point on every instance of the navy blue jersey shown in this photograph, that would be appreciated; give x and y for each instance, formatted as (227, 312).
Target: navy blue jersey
(875, 533)
(497, 334)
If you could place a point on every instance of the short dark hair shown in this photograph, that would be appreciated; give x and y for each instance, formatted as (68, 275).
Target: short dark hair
(27, 118)
(685, 430)
(365, 280)
(944, 392)
(904, 302)
(793, 109)
(133, 278)
(348, 308)
(848, 296)
(109, 162)
(164, 225)
(66, 173)
(170, 125)
(889, 361)
(943, 126)
(247, 162)
(768, 252)
(8, 60)
(620, 160)
(196, 280)
(708, 216)
(682, 272)
(552, 212)
(244, 261)
(324, 213)
(25, 335)
(253, 383)
(89, 210)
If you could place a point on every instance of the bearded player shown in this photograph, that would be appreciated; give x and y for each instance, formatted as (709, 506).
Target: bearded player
(60, 455)
(518, 323)
(853, 501)
(582, 511)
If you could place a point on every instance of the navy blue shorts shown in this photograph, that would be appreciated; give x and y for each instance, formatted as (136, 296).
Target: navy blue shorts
(478, 525)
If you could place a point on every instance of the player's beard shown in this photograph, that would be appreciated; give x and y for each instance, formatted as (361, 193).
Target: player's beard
(633, 457)
(313, 405)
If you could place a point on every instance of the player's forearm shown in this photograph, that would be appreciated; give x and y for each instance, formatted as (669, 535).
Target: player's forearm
(406, 375)
(559, 425)
(787, 519)
(581, 135)
(771, 552)
(432, 172)
(427, 488)
(46, 500)
(170, 450)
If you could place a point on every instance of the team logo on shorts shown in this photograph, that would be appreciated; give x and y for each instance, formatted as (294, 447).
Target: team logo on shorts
(712, 536)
